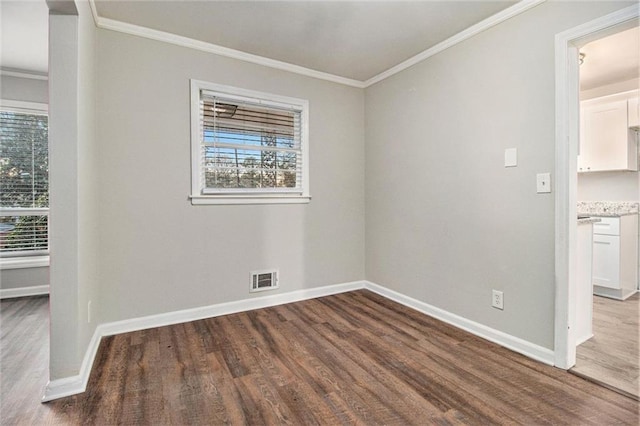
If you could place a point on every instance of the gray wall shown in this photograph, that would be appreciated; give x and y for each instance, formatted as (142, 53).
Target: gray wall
(158, 253)
(26, 90)
(73, 200)
(23, 277)
(445, 221)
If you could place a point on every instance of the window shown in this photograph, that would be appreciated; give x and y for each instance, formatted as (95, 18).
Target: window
(247, 147)
(24, 184)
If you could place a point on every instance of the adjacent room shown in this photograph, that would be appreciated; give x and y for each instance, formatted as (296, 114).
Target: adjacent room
(608, 186)
(302, 212)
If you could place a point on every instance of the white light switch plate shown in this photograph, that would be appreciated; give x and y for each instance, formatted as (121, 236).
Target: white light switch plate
(511, 157)
(543, 182)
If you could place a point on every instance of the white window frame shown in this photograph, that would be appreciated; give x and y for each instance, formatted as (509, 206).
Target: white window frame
(36, 260)
(275, 196)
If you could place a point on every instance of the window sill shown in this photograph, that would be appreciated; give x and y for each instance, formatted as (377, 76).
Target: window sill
(249, 199)
(24, 262)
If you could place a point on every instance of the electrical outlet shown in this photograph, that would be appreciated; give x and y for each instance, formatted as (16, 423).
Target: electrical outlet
(497, 299)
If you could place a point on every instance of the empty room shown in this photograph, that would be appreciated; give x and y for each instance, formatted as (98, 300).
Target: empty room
(306, 212)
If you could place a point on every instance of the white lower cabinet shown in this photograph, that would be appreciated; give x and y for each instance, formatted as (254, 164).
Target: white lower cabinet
(615, 256)
(606, 261)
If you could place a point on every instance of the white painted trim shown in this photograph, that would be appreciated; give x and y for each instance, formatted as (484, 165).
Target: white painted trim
(238, 196)
(23, 74)
(567, 134)
(516, 344)
(77, 384)
(36, 290)
(201, 200)
(94, 12)
(73, 385)
(24, 262)
(123, 27)
(24, 106)
(583, 339)
(473, 30)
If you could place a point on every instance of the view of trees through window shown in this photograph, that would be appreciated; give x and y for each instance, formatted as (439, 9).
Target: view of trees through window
(249, 146)
(24, 182)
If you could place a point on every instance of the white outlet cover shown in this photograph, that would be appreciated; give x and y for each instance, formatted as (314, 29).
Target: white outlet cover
(543, 183)
(497, 299)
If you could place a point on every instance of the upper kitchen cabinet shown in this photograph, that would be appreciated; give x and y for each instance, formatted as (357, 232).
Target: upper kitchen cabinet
(607, 138)
(634, 113)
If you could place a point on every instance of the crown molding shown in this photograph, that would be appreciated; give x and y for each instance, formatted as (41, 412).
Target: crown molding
(481, 26)
(136, 30)
(123, 27)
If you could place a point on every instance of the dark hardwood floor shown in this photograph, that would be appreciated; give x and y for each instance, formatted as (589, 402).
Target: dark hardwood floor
(353, 358)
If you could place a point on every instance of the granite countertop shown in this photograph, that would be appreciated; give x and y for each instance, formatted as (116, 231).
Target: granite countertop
(607, 208)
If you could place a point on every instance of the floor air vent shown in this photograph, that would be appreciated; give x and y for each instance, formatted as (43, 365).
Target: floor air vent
(264, 280)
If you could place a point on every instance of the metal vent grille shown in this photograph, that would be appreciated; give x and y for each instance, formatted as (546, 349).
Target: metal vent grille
(264, 280)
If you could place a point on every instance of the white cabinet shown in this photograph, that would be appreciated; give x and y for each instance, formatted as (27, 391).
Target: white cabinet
(584, 288)
(615, 254)
(606, 141)
(606, 261)
(633, 108)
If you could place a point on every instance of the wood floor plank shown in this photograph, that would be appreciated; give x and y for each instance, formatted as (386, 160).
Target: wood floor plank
(612, 355)
(353, 358)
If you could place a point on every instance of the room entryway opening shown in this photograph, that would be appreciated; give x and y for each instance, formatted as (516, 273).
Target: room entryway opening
(597, 335)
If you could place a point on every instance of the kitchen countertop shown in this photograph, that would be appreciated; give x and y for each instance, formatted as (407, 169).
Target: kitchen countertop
(607, 208)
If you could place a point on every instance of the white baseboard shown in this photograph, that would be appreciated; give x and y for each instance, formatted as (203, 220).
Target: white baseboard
(516, 344)
(36, 290)
(68, 386)
(77, 384)
(583, 339)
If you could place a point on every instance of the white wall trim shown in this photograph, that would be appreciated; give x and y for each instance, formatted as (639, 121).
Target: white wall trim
(24, 106)
(77, 384)
(67, 386)
(136, 30)
(516, 344)
(123, 27)
(481, 26)
(36, 290)
(24, 262)
(567, 134)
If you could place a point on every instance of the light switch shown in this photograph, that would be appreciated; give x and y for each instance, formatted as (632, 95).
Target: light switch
(510, 157)
(543, 182)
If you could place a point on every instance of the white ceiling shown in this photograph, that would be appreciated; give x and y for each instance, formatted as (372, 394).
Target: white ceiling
(25, 33)
(611, 59)
(352, 39)
(356, 40)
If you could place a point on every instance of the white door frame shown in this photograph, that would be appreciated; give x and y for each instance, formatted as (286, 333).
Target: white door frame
(567, 136)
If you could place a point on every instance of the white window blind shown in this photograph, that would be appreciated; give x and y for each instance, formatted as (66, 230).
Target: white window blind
(24, 183)
(249, 145)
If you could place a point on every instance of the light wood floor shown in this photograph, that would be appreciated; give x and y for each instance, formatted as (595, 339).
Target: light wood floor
(612, 356)
(354, 358)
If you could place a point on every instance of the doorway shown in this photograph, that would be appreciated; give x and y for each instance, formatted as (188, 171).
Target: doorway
(567, 136)
(609, 86)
